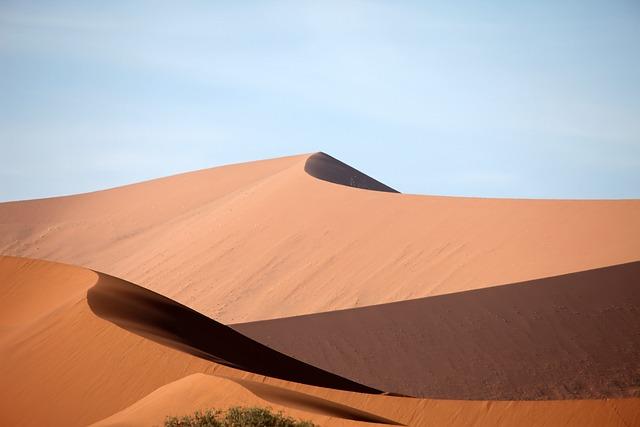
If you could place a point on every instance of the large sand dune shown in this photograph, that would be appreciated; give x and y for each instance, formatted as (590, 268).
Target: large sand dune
(266, 239)
(65, 365)
(352, 295)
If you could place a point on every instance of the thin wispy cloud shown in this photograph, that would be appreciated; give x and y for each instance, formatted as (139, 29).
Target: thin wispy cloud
(414, 93)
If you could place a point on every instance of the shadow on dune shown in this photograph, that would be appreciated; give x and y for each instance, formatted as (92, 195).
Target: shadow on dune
(574, 336)
(163, 320)
(307, 402)
(327, 168)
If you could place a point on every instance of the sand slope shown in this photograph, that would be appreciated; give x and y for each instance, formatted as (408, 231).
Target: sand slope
(575, 336)
(266, 239)
(88, 359)
(167, 322)
(72, 367)
(198, 391)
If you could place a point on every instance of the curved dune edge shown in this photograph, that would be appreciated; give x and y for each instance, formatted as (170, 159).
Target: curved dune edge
(85, 367)
(322, 166)
(74, 368)
(566, 337)
(168, 322)
(201, 392)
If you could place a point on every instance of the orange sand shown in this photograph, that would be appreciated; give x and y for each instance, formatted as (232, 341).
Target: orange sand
(74, 368)
(265, 239)
(291, 236)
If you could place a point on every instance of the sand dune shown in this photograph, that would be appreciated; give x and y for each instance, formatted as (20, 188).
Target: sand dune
(197, 391)
(163, 320)
(72, 367)
(87, 367)
(305, 235)
(566, 337)
(230, 241)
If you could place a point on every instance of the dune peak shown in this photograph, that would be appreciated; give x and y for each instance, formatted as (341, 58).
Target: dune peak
(327, 168)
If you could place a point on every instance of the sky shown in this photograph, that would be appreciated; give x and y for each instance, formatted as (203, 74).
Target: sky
(528, 99)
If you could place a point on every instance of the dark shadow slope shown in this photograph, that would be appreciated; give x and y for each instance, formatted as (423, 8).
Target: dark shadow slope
(307, 402)
(163, 320)
(327, 168)
(575, 336)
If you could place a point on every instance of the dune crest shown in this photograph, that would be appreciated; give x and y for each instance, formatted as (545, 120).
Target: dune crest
(323, 166)
(229, 241)
(199, 392)
(163, 320)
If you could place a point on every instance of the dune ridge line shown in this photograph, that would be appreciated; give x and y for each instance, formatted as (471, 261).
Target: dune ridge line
(168, 322)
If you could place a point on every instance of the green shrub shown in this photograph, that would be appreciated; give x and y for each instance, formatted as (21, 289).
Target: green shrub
(236, 417)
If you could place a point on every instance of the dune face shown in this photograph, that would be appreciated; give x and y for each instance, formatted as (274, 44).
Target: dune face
(198, 391)
(163, 320)
(230, 241)
(87, 354)
(327, 168)
(89, 370)
(566, 337)
(65, 365)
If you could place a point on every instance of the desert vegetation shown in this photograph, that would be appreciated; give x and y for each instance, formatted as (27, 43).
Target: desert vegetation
(236, 417)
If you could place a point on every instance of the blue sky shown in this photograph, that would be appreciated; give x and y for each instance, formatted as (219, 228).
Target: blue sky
(503, 99)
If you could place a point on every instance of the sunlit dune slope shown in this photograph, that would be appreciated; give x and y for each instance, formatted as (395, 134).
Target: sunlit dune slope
(86, 367)
(266, 239)
(198, 392)
(195, 392)
(574, 336)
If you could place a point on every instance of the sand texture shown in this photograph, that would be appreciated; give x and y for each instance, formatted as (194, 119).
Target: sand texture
(575, 336)
(230, 241)
(73, 367)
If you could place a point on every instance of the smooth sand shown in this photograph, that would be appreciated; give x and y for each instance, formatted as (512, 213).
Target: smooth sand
(195, 392)
(567, 337)
(265, 239)
(72, 367)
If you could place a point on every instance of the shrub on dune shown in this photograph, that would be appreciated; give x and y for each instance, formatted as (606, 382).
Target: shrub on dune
(236, 417)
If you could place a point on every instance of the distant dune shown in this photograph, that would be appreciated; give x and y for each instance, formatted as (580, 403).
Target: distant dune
(230, 241)
(303, 284)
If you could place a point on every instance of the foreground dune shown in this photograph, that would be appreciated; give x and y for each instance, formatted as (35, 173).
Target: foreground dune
(268, 239)
(198, 392)
(64, 364)
(195, 392)
(87, 358)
